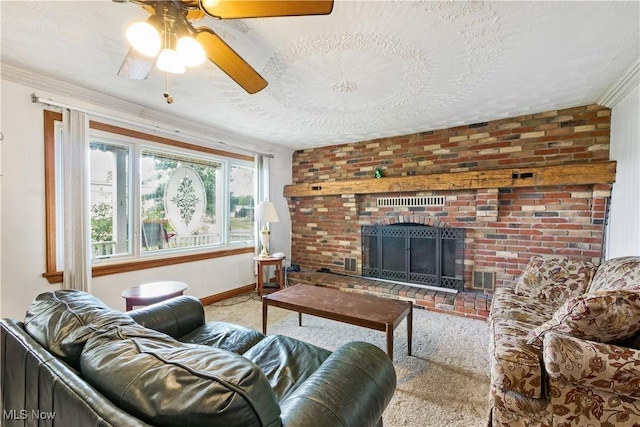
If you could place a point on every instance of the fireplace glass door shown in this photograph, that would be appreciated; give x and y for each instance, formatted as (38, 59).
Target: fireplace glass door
(414, 253)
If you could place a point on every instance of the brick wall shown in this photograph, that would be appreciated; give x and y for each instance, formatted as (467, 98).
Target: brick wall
(504, 227)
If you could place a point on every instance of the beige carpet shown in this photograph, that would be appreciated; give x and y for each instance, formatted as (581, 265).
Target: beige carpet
(444, 384)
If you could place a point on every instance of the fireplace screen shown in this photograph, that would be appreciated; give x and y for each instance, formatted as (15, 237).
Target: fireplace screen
(414, 253)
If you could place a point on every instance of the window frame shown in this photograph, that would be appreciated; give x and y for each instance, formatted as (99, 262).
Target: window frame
(53, 275)
(104, 138)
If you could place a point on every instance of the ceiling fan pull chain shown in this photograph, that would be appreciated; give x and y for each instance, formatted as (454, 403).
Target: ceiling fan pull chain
(167, 88)
(166, 44)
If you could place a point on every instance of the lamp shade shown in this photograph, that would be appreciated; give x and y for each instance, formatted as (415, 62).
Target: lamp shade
(144, 38)
(170, 61)
(266, 212)
(190, 51)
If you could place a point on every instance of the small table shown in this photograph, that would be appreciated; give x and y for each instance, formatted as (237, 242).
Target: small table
(279, 274)
(381, 314)
(151, 293)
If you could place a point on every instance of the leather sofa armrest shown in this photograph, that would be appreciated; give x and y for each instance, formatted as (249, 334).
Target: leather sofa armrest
(175, 317)
(607, 367)
(32, 379)
(352, 387)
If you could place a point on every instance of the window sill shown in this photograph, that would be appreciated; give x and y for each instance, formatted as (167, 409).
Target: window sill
(124, 267)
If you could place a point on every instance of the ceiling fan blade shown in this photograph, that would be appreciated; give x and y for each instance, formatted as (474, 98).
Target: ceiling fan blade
(229, 61)
(135, 66)
(230, 9)
(195, 15)
(149, 8)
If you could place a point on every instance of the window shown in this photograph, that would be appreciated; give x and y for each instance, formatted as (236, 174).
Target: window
(110, 205)
(241, 190)
(154, 201)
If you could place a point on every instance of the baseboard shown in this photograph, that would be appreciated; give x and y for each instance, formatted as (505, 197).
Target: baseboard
(228, 294)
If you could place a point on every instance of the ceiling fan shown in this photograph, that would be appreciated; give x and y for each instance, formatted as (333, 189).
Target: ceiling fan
(174, 19)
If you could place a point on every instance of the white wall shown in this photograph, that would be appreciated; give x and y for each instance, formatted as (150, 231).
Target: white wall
(22, 221)
(280, 231)
(22, 227)
(624, 220)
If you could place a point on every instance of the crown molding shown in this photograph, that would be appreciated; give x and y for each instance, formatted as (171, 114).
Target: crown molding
(166, 123)
(627, 81)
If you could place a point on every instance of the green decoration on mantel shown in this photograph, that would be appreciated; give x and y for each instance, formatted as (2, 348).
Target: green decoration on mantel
(378, 173)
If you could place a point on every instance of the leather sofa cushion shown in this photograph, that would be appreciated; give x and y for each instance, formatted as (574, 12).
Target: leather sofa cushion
(286, 362)
(169, 383)
(175, 317)
(227, 336)
(62, 321)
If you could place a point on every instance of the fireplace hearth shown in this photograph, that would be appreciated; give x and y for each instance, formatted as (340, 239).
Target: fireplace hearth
(414, 253)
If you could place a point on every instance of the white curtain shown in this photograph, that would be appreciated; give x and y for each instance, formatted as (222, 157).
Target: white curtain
(75, 177)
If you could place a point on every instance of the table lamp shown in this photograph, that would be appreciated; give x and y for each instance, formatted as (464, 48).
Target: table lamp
(265, 213)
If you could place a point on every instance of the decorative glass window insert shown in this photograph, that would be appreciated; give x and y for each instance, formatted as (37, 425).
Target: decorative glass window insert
(178, 199)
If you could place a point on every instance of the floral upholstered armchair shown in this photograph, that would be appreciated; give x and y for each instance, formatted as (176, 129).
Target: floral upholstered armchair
(565, 345)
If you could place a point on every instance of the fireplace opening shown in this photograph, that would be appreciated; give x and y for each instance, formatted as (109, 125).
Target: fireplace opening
(414, 253)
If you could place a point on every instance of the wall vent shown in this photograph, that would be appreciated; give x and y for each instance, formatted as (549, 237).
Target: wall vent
(484, 280)
(350, 264)
(418, 201)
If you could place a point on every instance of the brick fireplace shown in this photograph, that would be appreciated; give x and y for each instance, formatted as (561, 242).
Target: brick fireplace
(534, 187)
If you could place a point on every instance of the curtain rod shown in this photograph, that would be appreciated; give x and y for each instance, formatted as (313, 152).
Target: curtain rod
(36, 99)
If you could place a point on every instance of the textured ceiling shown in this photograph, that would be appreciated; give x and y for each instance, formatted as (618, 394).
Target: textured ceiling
(370, 69)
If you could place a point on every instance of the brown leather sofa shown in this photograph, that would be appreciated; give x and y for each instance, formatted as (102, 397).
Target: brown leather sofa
(76, 362)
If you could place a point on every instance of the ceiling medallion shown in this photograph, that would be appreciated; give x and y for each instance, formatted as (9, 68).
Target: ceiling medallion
(396, 67)
(344, 86)
(438, 57)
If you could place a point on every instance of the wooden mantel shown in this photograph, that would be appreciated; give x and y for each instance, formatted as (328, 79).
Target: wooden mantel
(570, 174)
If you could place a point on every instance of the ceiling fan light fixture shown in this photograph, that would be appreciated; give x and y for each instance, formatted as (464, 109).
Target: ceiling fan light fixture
(207, 4)
(170, 61)
(175, 18)
(144, 38)
(190, 51)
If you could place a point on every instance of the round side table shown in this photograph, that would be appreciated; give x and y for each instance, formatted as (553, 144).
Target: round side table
(151, 293)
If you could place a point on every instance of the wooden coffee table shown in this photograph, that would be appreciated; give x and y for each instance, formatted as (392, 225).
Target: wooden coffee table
(381, 314)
